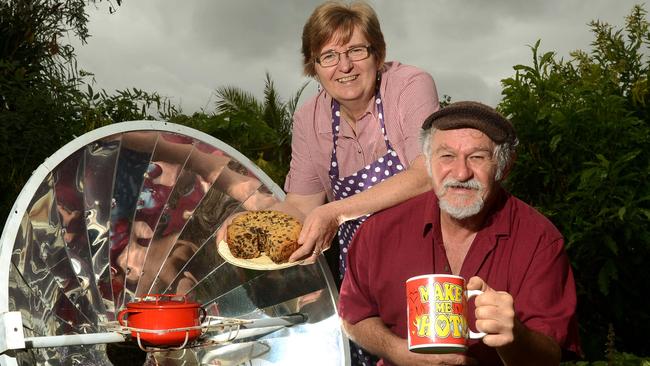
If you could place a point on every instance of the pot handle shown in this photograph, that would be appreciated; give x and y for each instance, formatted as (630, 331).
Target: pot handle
(121, 314)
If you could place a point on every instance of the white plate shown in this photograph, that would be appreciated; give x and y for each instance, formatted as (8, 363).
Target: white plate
(261, 263)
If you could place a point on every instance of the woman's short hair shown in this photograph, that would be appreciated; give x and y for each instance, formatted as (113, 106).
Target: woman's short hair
(336, 18)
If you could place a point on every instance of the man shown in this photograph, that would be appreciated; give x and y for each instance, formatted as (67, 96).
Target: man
(468, 225)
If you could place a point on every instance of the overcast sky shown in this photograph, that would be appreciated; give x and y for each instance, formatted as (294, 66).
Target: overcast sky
(184, 50)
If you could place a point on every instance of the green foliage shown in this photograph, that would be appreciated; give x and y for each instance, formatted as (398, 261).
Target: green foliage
(584, 162)
(42, 105)
(445, 100)
(618, 359)
(37, 85)
(101, 108)
(261, 130)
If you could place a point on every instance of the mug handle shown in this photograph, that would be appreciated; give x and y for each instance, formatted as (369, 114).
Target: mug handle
(474, 335)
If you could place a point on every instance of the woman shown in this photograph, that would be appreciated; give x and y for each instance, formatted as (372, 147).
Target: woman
(361, 128)
(359, 132)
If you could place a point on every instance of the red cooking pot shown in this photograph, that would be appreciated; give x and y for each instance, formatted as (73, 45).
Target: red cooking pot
(152, 319)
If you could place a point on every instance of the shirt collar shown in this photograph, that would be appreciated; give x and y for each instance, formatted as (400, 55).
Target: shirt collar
(431, 216)
(499, 221)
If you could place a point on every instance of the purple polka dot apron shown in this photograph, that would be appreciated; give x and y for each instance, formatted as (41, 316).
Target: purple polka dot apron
(343, 187)
(363, 179)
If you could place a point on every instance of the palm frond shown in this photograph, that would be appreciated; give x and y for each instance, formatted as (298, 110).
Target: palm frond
(273, 107)
(232, 100)
(292, 105)
(270, 94)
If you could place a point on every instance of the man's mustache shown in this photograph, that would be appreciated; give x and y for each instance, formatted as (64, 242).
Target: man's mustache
(470, 184)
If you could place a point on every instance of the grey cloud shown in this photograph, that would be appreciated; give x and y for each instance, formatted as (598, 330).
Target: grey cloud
(187, 49)
(250, 28)
(461, 85)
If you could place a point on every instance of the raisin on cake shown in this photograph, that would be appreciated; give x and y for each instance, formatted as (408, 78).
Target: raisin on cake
(273, 233)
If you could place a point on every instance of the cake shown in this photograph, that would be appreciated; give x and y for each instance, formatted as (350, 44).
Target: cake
(270, 233)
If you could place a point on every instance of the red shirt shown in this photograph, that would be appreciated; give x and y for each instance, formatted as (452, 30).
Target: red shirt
(518, 251)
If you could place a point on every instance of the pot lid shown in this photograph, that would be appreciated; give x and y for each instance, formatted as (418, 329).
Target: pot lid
(156, 301)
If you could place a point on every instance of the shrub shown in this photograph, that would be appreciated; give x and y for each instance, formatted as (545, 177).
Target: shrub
(584, 162)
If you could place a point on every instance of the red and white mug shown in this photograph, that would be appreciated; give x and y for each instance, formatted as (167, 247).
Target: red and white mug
(437, 314)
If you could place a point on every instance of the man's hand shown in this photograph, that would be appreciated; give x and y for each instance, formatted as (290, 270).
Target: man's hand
(514, 342)
(317, 233)
(495, 313)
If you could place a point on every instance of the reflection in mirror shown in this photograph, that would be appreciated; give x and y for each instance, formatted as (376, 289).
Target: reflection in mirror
(134, 158)
(68, 189)
(209, 216)
(174, 357)
(261, 199)
(189, 190)
(42, 319)
(240, 184)
(53, 251)
(19, 255)
(219, 278)
(42, 263)
(100, 159)
(203, 260)
(254, 290)
(170, 155)
(135, 153)
(321, 351)
(235, 354)
(22, 299)
(50, 311)
(184, 264)
(206, 269)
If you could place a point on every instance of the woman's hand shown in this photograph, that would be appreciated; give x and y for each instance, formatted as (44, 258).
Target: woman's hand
(317, 233)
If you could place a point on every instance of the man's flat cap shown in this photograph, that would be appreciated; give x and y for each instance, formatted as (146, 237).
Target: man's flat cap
(474, 115)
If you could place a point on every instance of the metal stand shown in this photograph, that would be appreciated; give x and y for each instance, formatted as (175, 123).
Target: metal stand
(227, 330)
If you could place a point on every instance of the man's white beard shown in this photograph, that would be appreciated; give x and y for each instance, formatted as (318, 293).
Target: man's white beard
(462, 212)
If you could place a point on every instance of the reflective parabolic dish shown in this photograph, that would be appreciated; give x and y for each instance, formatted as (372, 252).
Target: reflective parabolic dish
(132, 209)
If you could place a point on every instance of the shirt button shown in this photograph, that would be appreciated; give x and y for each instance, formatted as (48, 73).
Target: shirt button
(359, 151)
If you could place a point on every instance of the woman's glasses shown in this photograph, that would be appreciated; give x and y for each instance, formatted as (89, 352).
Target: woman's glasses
(332, 58)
